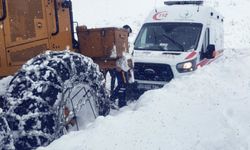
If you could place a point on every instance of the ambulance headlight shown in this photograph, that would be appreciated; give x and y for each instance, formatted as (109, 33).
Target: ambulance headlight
(186, 66)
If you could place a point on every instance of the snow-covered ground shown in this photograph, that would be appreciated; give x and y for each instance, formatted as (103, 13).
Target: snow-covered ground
(207, 110)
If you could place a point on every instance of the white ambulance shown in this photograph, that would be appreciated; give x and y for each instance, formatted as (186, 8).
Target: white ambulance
(175, 40)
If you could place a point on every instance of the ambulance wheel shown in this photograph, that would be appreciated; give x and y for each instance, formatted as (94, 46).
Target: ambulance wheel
(36, 96)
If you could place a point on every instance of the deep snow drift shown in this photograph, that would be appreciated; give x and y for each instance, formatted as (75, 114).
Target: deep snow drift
(205, 111)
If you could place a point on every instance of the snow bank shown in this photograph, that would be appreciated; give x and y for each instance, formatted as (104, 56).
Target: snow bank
(204, 111)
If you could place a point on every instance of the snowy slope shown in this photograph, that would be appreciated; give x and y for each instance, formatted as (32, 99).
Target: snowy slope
(205, 111)
(104, 13)
(237, 29)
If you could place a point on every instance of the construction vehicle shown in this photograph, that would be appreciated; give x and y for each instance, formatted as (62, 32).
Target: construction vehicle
(55, 90)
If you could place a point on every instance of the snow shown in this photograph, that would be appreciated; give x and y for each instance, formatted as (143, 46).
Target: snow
(100, 13)
(4, 83)
(207, 110)
(236, 21)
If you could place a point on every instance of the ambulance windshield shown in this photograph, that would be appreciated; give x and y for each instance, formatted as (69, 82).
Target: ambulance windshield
(168, 36)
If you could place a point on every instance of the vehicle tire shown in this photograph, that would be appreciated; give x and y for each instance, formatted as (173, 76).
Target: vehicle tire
(36, 96)
(6, 142)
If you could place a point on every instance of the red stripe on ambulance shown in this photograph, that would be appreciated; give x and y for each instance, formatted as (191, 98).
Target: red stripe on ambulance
(191, 55)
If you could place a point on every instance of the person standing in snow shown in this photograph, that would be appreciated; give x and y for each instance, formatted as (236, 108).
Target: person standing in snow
(120, 91)
(121, 73)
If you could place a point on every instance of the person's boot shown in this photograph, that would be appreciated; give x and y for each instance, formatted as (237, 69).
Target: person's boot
(122, 98)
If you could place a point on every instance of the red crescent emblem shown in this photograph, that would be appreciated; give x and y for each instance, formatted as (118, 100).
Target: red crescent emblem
(160, 15)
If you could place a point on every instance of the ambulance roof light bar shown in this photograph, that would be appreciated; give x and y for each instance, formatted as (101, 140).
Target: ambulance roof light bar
(185, 2)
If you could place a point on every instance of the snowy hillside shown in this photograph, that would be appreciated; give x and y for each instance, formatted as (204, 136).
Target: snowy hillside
(101, 13)
(205, 111)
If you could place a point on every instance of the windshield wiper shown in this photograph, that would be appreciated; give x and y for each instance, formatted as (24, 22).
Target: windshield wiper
(174, 42)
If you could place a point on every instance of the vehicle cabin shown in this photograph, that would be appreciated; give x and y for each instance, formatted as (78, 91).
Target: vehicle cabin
(175, 40)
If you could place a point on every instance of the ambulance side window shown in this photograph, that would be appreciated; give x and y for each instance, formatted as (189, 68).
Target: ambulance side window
(206, 41)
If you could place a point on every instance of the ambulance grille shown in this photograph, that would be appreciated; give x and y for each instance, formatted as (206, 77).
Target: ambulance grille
(153, 72)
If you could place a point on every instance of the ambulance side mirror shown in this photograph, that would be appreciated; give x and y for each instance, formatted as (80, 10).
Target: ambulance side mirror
(210, 51)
